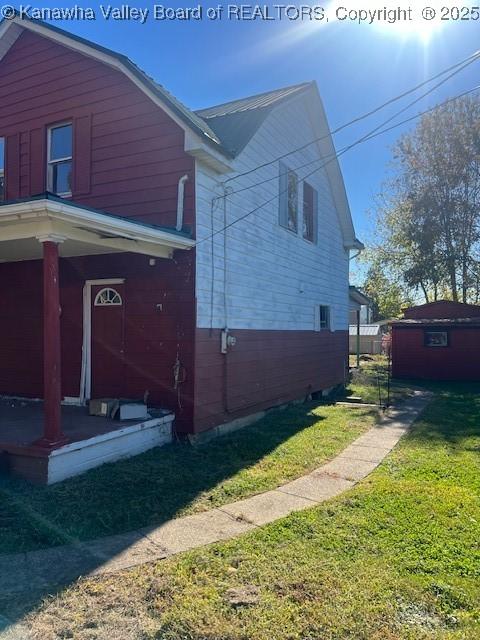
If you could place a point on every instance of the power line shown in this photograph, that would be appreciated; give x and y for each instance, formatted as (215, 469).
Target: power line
(373, 134)
(463, 63)
(395, 115)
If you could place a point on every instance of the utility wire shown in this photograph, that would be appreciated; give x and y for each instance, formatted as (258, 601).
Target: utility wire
(374, 134)
(395, 115)
(463, 63)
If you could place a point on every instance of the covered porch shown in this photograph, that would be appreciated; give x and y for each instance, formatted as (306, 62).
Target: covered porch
(48, 228)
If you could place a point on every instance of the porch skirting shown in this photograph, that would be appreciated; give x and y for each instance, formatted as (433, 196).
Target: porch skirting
(43, 466)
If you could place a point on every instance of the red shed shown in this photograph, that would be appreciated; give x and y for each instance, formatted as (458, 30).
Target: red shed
(437, 341)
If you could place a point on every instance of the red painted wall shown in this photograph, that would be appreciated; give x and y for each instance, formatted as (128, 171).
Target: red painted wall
(151, 335)
(263, 369)
(128, 154)
(128, 158)
(412, 359)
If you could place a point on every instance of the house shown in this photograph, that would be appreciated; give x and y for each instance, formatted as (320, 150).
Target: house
(437, 341)
(144, 254)
(360, 307)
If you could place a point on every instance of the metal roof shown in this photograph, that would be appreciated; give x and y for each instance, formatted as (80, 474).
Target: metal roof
(365, 329)
(235, 122)
(438, 322)
(259, 101)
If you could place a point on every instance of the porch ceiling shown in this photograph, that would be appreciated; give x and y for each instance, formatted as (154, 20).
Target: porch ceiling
(79, 230)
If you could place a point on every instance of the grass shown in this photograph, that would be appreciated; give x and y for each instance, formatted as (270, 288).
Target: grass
(178, 479)
(370, 382)
(397, 558)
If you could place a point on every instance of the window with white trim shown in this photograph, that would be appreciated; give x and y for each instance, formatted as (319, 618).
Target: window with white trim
(288, 198)
(322, 317)
(2, 169)
(108, 297)
(59, 161)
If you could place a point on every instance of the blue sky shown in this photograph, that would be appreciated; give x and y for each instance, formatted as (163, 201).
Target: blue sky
(356, 67)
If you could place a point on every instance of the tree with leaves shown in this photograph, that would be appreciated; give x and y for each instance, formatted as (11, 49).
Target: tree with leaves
(429, 220)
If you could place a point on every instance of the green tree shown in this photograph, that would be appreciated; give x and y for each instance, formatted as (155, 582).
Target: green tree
(389, 298)
(429, 220)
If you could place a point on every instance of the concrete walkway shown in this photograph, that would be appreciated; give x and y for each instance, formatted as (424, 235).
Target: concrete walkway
(40, 571)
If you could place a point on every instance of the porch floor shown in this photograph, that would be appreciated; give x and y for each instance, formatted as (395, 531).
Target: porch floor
(21, 423)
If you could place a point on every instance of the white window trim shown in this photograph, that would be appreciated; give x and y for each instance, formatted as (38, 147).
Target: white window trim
(51, 163)
(317, 323)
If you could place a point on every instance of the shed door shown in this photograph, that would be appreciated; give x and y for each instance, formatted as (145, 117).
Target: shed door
(108, 341)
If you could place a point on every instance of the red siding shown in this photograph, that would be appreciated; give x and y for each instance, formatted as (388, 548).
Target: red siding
(128, 158)
(263, 369)
(412, 359)
(128, 153)
(152, 336)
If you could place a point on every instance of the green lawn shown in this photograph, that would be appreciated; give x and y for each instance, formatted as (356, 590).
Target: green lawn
(178, 479)
(396, 558)
(370, 382)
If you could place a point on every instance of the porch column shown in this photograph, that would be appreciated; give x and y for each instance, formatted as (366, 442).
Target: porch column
(52, 392)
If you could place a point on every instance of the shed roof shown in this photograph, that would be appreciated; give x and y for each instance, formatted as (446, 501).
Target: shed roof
(438, 322)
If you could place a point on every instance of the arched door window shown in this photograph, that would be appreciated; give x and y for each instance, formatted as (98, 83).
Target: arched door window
(108, 297)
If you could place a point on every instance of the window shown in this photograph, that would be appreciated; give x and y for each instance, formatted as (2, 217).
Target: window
(59, 170)
(436, 338)
(322, 317)
(108, 297)
(310, 199)
(288, 197)
(2, 169)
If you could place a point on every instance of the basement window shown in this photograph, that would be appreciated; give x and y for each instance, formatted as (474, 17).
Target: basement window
(2, 169)
(436, 338)
(108, 297)
(60, 153)
(322, 317)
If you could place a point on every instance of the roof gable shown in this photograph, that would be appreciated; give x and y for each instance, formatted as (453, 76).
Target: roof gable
(10, 30)
(237, 121)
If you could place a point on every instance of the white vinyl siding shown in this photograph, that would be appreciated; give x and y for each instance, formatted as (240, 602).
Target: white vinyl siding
(273, 278)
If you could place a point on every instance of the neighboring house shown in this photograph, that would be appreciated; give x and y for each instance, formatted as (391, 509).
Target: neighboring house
(113, 212)
(370, 338)
(437, 341)
(360, 304)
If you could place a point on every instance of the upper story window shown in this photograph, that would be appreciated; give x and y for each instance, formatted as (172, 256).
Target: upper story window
(60, 151)
(310, 212)
(288, 188)
(2, 169)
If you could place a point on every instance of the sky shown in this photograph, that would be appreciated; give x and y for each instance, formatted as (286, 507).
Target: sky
(357, 67)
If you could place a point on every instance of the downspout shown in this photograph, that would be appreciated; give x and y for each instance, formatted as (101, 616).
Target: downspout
(180, 201)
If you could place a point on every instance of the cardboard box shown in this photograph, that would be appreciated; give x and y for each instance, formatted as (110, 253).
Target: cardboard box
(104, 407)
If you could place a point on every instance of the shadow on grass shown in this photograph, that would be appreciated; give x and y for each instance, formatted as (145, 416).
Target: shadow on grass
(147, 490)
(455, 414)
